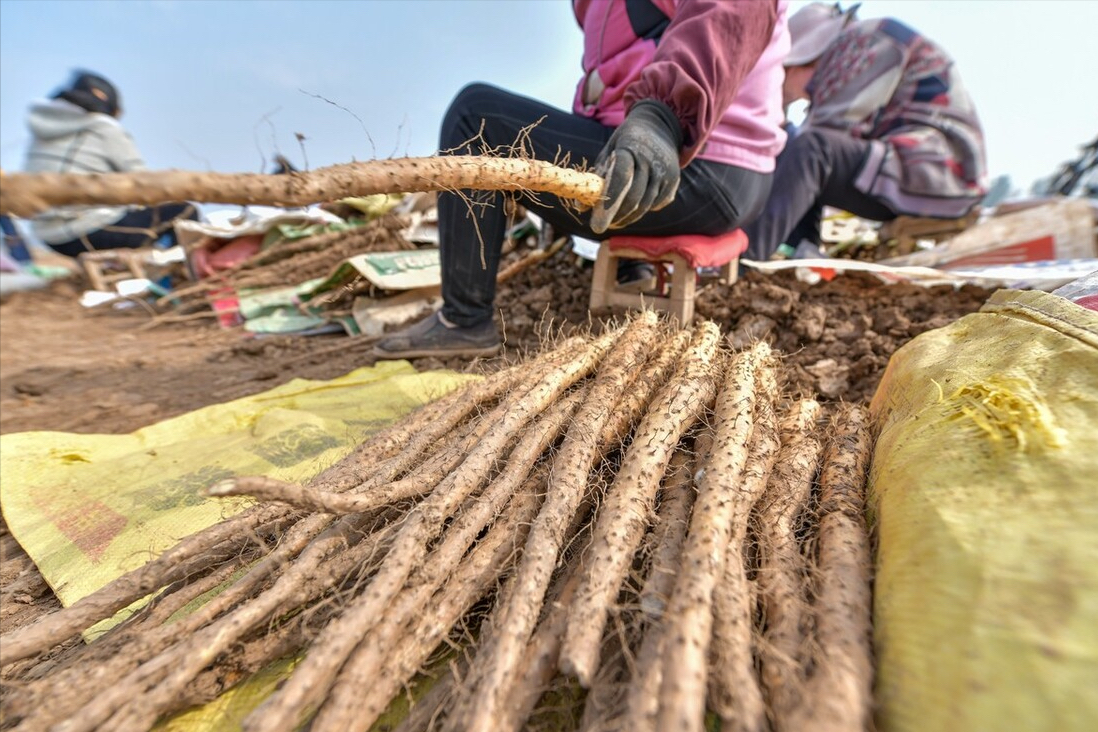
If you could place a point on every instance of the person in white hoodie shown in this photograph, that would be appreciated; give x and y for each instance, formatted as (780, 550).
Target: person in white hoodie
(77, 130)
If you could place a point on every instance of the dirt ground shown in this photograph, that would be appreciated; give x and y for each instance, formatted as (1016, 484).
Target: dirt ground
(69, 369)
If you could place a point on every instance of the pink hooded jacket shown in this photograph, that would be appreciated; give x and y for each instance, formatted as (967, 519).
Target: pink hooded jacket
(716, 63)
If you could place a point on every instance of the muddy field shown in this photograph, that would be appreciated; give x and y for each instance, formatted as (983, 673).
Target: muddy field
(68, 369)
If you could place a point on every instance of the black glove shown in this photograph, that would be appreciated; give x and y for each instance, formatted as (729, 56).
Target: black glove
(640, 164)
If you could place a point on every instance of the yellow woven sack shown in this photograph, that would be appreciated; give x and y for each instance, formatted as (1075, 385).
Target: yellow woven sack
(984, 490)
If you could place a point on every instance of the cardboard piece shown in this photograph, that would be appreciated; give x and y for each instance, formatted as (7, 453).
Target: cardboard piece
(423, 228)
(1045, 275)
(372, 315)
(1059, 230)
(405, 270)
(421, 208)
(248, 220)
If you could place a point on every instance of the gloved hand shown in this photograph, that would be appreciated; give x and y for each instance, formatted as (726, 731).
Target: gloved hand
(640, 164)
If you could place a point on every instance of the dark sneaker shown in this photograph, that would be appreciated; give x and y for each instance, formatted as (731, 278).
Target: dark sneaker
(433, 337)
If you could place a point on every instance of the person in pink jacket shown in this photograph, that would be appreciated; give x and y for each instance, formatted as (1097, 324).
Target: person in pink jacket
(679, 107)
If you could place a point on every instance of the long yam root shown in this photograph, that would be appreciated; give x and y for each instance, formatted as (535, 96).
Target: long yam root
(677, 501)
(476, 576)
(624, 516)
(503, 654)
(689, 618)
(27, 194)
(341, 710)
(673, 518)
(221, 541)
(782, 571)
(158, 680)
(734, 691)
(840, 689)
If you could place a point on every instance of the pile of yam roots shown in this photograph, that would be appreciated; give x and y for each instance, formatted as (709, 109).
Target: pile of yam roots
(633, 530)
(293, 262)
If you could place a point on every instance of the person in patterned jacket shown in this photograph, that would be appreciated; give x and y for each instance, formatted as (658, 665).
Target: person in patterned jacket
(890, 130)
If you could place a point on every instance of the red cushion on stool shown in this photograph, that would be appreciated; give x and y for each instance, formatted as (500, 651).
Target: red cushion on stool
(697, 249)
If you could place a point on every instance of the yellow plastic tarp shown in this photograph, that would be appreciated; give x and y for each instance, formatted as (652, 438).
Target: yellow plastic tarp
(88, 508)
(985, 491)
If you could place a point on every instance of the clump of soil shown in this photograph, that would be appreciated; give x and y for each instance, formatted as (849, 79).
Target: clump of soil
(549, 298)
(837, 336)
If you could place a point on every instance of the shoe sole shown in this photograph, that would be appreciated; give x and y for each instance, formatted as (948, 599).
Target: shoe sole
(647, 284)
(428, 353)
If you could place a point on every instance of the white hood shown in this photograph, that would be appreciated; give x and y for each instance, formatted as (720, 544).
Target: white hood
(52, 118)
(69, 139)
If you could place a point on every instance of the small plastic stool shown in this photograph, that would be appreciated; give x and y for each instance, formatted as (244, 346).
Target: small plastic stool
(106, 267)
(684, 253)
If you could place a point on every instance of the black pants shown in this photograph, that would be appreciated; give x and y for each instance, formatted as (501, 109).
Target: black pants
(138, 228)
(817, 168)
(712, 198)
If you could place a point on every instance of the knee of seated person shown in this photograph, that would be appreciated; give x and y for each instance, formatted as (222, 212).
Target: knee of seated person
(472, 97)
(810, 139)
(463, 117)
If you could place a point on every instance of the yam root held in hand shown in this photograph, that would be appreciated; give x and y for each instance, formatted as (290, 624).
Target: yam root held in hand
(26, 194)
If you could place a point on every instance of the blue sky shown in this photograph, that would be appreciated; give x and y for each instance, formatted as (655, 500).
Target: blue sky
(224, 85)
